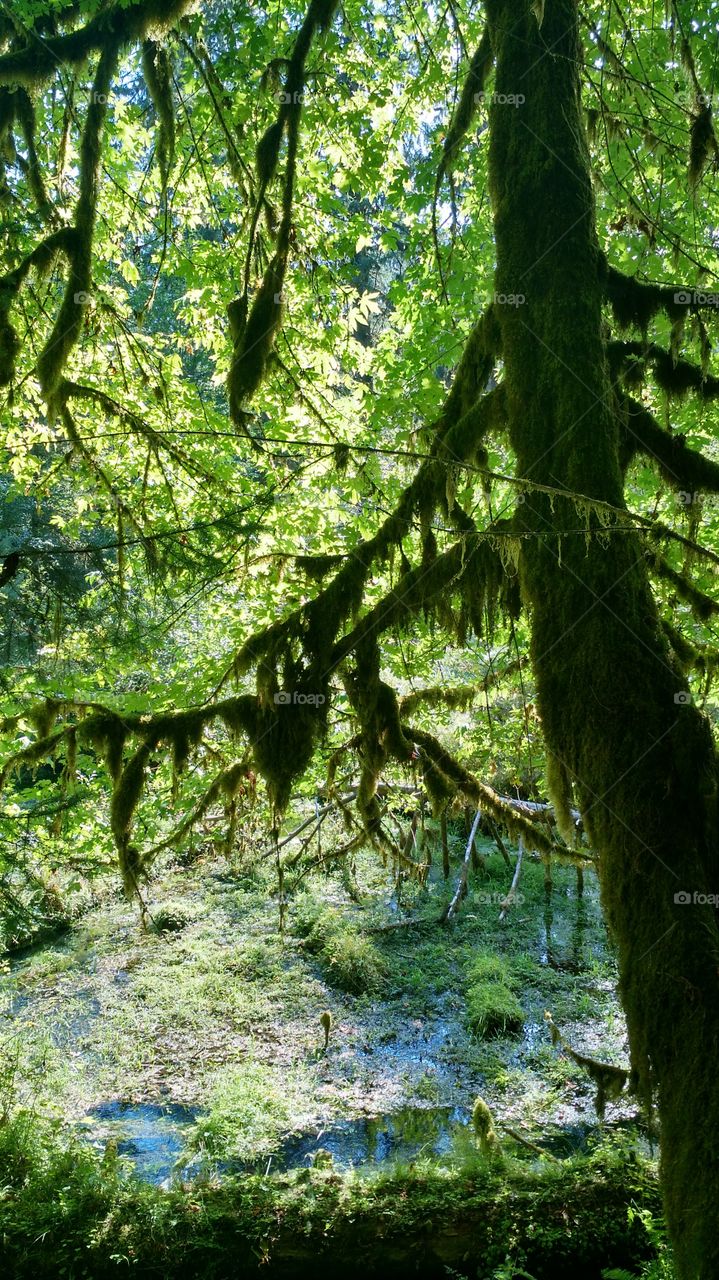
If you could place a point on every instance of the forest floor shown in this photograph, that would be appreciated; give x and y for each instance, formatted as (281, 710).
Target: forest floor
(198, 1039)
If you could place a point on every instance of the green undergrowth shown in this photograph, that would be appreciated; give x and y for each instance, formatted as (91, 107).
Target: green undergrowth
(349, 961)
(67, 1211)
(249, 1109)
(492, 1004)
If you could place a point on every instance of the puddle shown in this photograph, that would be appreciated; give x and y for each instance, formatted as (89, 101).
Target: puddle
(150, 1135)
(399, 1136)
(153, 1137)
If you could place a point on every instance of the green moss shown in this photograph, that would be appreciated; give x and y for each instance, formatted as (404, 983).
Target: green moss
(492, 1009)
(158, 78)
(353, 964)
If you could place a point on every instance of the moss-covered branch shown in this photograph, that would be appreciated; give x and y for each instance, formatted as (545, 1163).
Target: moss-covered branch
(25, 115)
(445, 778)
(115, 27)
(69, 320)
(158, 78)
(683, 468)
(459, 696)
(466, 109)
(630, 361)
(41, 259)
(635, 303)
(702, 606)
(253, 329)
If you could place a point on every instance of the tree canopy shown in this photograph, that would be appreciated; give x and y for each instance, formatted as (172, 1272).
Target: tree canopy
(350, 358)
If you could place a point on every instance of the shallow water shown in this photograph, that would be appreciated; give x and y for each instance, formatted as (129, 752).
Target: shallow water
(150, 1135)
(153, 1136)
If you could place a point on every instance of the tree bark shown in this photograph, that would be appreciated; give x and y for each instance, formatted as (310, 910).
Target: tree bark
(642, 764)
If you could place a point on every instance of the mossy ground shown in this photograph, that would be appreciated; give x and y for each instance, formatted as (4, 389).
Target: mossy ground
(190, 1015)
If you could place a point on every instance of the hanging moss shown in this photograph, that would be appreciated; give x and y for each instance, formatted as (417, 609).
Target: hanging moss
(317, 567)
(559, 790)
(675, 377)
(635, 303)
(702, 142)
(441, 695)
(42, 749)
(108, 733)
(69, 775)
(267, 155)
(125, 799)
(158, 78)
(44, 715)
(702, 606)
(240, 715)
(69, 320)
(117, 25)
(256, 339)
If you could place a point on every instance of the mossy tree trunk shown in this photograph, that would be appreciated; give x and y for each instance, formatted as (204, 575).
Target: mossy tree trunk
(643, 766)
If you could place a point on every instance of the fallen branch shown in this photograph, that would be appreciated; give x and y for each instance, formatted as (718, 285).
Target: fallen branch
(515, 880)
(459, 892)
(531, 1146)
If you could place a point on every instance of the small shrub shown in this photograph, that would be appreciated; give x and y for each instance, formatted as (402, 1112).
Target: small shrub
(314, 922)
(352, 963)
(249, 1110)
(492, 1009)
(171, 917)
(349, 961)
(492, 1005)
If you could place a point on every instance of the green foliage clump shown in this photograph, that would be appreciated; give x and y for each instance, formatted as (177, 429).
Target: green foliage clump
(492, 1006)
(349, 961)
(171, 917)
(353, 963)
(249, 1111)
